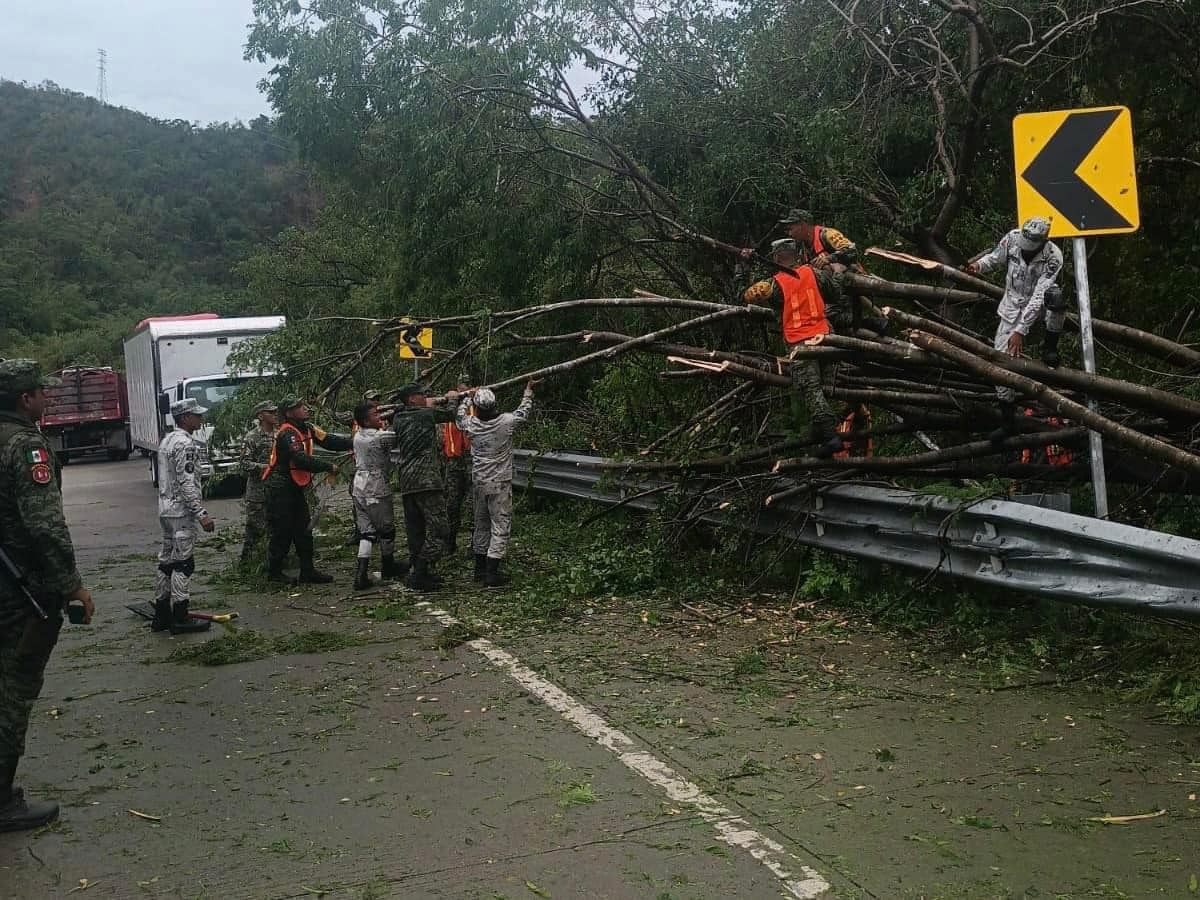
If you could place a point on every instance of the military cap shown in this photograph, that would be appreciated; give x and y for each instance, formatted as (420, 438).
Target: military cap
(289, 403)
(408, 390)
(264, 406)
(186, 406)
(796, 216)
(784, 244)
(371, 394)
(19, 376)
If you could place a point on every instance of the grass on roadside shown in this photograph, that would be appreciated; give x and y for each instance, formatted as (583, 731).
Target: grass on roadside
(247, 645)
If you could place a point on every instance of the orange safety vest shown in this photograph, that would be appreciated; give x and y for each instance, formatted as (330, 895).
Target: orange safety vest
(300, 477)
(862, 418)
(1056, 454)
(803, 305)
(818, 246)
(455, 442)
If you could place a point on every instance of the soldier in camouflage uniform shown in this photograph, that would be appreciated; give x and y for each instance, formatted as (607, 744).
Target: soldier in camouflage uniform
(180, 513)
(419, 479)
(289, 480)
(256, 452)
(491, 433)
(806, 314)
(34, 533)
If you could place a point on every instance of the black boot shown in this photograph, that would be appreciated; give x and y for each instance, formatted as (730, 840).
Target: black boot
(19, 814)
(309, 574)
(480, 566)
(162, 615)
(362, 580)
(1050, 348)
(182, 623)
(492, 576)
(1008, 423)
(390, 570)
(421, 579)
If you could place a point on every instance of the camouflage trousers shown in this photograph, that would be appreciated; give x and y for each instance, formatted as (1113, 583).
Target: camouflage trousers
(175, 560)
(255, 505)
(456, 476)
(493, 519)
(806, 381)
(425, 525)
(24, 651)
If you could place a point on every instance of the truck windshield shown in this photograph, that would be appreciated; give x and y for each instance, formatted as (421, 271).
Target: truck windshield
(213, 392)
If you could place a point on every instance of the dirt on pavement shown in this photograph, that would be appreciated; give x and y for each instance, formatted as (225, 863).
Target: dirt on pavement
(395, 761)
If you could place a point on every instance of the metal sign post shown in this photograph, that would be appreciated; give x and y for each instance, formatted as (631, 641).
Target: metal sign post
(1095, 444)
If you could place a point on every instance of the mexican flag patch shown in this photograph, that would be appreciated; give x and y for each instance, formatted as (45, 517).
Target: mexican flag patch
(38, 456)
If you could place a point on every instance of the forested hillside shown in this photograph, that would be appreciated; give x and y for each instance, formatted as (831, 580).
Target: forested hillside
(107, 215)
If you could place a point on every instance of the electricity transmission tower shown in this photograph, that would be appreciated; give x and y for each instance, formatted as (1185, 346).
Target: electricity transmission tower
(102, 77)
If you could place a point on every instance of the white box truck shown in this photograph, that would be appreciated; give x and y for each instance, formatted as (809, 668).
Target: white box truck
(172, 357)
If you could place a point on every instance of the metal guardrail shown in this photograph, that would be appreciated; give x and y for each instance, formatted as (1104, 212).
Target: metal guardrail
(999, 543)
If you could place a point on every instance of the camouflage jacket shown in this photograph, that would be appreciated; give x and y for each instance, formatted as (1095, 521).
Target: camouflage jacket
(32, 527)
(256, 453)
(417, 454)
(492, 440)
(179, 492)
(289, 452)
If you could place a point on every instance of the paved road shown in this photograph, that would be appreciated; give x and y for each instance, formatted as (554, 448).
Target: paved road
(394, 768)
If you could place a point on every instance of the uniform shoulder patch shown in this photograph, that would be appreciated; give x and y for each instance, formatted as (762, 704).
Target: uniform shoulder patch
(40, 473)
(35, 455)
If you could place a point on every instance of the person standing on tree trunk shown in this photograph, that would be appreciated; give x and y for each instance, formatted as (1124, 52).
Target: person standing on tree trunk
(288, 475)
(819, 245)
(1032, 265)
(807, 300)
(181, 513)
(419, 480)
(374, 507)
(256, 453)
(491, 434)
(34, 533)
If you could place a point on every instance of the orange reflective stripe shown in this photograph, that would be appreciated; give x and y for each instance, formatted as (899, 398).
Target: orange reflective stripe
(454, 442)
(803, 305)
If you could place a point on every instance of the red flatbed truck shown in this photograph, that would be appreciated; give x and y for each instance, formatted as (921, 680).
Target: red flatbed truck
(88, 413)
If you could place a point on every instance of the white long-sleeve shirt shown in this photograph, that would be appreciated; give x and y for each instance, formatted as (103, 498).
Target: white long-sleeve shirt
(373, 463)
(492, 440)
(1025, 283)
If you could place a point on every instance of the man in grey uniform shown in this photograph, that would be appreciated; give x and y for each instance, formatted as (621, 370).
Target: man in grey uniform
(180, 511)
(371, 491)
(491, 434)
(1032, 265)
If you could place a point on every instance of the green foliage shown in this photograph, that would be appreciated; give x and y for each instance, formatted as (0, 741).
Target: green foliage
(246, 645)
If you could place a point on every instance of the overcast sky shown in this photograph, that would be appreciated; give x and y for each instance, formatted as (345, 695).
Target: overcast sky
(172, 59)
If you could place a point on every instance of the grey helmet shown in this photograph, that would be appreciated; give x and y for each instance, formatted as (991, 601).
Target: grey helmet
(485, 399)
(1034, 234)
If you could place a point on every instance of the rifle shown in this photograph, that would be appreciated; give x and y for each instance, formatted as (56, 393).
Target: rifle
(17, 577)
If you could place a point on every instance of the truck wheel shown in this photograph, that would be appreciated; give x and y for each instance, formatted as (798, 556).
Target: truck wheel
(118, 455)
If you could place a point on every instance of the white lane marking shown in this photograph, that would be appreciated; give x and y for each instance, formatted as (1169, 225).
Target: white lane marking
(731, 828)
